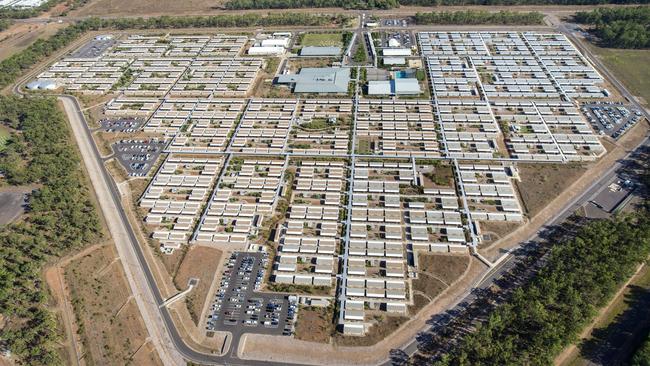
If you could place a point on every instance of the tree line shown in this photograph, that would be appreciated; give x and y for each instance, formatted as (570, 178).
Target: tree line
(388, 4)
(480, 17)
(543, 316)
(295, 4)
(15, 65)
(619, 27)
(60, 218)
(4, 24)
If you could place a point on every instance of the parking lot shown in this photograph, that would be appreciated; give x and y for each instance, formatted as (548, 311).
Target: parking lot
(404, 38)
(609, 118)
(239, 309)
(394, 23)
(138, 156)
(120, 124)
(94, 48)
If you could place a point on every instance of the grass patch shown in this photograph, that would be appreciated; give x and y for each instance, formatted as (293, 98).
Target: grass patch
(201, 263)
(541, 183)
(315, 324)
(4, 137)
(322, 39)
(109, 322)
(446, 267)
(630, 66)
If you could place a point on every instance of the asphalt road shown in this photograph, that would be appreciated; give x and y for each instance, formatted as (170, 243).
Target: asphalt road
(12, 205)
(157, 318)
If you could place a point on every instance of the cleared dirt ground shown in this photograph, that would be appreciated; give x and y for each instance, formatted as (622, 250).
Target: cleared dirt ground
(314, 324)
(19, 36)
(200, 262)
(148, 7)
(540, 183)
(446, 267)
(384, 327)
(109, 323)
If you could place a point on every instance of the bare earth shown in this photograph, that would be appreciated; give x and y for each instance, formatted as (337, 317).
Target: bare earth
(110, 323)
(201, 263)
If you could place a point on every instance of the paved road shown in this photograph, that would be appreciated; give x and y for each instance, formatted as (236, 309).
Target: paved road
(169, 344)
(12, 205)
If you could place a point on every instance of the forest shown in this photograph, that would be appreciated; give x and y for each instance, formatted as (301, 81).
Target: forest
(480, 17)
(60, 218)
(15, 65)
(642, 355)
(543, 316)
(388, 4)
(619, 27)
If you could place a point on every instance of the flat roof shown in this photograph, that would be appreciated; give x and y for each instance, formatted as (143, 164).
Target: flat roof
(318, 80)
(320, 51)
(406, 86)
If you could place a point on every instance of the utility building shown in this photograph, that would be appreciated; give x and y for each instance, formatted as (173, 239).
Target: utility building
(318, 80)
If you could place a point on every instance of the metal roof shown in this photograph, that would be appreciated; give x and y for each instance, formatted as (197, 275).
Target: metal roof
(320, 51)
(407, 86)
(379, 87)
(318, 80)
(394, 60)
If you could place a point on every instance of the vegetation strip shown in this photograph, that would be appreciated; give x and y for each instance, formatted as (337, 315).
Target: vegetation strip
(61, 219)
(542, 317)
(390, 4)
(470, 17)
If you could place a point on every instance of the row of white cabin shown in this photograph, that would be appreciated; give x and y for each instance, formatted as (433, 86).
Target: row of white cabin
(176, 195)
(309, 257)
(259, 178)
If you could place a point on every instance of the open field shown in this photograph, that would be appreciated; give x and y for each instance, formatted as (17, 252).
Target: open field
(108, 318)
(19, 36)
(619, 330)
(199, 262)
(542, 182)
(124, 7)
(630, 66)
(322, 39)
(446, 267)
(314, 324)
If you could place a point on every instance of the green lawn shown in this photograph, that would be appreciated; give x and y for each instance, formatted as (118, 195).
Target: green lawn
(630, 66)
(4, 136)
(322, 39)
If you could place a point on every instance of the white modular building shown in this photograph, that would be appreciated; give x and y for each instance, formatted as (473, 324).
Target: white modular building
(266, 50)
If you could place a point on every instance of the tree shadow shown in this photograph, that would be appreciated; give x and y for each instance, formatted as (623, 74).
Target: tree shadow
(613, 344)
